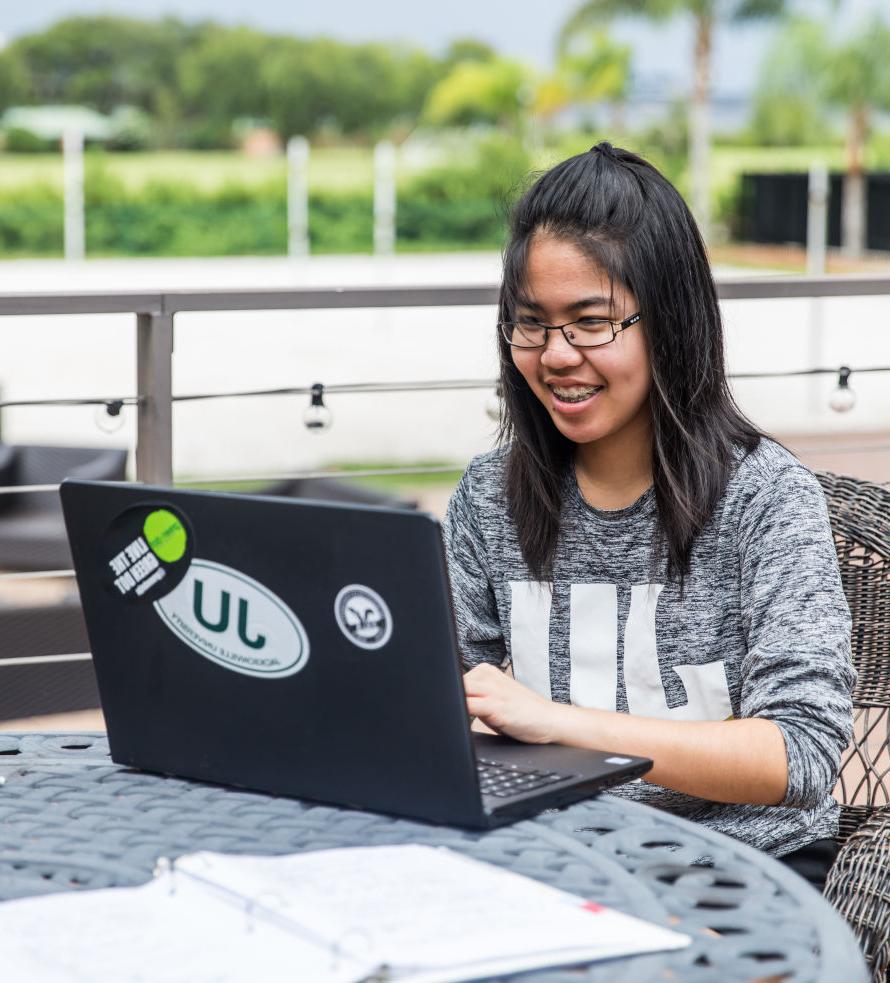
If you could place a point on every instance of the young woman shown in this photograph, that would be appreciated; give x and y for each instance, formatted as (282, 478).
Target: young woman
(658, 574)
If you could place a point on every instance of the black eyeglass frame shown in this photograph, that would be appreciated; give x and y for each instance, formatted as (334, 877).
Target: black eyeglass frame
(617, 326)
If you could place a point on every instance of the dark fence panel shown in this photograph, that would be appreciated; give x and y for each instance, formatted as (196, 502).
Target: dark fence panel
(879, 212)
(773, 209)
(835, 201)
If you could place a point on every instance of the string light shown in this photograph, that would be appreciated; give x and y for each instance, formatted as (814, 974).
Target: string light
(842, 398)
(317, 417)
(109, 415)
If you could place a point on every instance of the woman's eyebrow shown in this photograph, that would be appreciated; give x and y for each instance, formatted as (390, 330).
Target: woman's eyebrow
(591, 302)
(523, 301)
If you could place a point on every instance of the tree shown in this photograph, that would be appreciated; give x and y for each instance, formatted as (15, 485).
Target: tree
(480, 92)
(590, 67)
(706, 14)
(467, 49)
(789, 101)
(807, 71)
(206, 75)
(220, 77)
(358, 88)
(13, 79)
(858, 80)
(103, 62)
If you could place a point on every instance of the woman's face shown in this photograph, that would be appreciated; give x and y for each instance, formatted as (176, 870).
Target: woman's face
(589, 393)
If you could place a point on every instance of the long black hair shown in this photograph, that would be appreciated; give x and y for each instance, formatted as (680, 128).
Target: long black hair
(632, 223)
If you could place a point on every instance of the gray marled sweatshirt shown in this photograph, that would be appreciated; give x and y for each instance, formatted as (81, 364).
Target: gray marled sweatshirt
(762, 630)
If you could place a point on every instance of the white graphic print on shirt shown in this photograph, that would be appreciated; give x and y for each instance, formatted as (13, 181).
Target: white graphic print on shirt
(530, 632)
(593, 652)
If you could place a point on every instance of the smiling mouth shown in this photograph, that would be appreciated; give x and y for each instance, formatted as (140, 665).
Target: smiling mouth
(574, 394)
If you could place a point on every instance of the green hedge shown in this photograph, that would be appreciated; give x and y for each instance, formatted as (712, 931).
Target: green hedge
(31, 222)
(166, 219)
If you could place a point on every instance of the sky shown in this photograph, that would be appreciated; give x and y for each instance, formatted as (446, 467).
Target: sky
(524, 29)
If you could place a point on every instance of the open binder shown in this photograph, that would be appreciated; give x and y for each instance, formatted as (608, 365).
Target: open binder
(409, 913)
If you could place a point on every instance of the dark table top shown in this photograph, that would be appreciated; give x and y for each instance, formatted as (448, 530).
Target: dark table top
(70, 819)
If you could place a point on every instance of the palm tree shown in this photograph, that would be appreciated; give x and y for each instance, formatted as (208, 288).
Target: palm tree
(858, 80)
(808, 69)
(591, 68)
(707, 14)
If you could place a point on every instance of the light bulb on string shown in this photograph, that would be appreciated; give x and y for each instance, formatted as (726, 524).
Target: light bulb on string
(109, 415)
(842, 398)
(317, 417)
(494, 405)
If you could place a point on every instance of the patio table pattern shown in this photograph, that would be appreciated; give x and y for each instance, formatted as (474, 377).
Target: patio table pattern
(72, 819)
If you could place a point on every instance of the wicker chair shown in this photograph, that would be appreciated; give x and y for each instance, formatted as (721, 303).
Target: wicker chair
(859, 882)
(859, 887)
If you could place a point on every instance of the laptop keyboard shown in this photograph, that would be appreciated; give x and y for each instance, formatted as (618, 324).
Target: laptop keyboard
(496, 778)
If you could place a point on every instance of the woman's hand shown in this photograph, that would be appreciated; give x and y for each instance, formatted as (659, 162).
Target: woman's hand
(508, 707)
(722, 760)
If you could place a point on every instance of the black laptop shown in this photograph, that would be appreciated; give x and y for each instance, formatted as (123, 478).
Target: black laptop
(299, 648)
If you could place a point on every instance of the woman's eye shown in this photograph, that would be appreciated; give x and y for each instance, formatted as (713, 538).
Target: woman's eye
(592, 322)
(529, 321)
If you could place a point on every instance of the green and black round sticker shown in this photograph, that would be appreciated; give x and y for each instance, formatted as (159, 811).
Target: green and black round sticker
(146, 552)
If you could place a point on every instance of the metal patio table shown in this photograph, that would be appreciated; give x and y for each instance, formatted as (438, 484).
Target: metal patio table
(70, 819)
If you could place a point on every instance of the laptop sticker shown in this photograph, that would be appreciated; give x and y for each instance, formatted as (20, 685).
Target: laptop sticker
(235, 621)
(146, 552)
(363, 616)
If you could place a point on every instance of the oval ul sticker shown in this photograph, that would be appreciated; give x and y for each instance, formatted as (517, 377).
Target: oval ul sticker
(233, 620)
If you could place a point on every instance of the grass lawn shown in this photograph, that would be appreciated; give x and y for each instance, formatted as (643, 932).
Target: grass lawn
(729, 163)
(385, 482)
(395, 483)
(350, 168)
(337, 168)
(430, 491)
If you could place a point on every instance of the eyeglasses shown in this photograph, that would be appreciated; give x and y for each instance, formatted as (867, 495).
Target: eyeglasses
(586, 332)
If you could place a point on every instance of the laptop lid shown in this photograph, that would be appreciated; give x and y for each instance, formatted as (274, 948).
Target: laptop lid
(292, 647)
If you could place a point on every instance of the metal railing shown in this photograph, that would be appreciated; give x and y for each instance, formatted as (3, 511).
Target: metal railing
(155, 312)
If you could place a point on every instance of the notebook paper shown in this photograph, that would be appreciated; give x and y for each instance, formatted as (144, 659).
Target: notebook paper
(415, 913)
(152, 935)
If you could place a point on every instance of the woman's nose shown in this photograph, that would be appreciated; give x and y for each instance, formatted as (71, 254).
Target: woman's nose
(558, 353)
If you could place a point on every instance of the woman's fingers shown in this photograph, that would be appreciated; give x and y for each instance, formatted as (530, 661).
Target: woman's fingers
(480, 727)
(477, 706)
(482, 679)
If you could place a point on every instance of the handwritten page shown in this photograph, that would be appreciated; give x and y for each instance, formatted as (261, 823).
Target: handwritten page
(424, 908)
(151, 934)
(424, 914)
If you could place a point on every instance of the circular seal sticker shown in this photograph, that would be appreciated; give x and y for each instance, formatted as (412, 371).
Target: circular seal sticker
(363, 617)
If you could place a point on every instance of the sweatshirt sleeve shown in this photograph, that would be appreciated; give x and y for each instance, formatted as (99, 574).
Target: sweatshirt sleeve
(479, 632)
(797, 671)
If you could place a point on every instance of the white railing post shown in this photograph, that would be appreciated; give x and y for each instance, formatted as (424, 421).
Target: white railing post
(298, 196)
(384, 198)
(817, 220)
(817, 250)
(154, 384)
(72, 164)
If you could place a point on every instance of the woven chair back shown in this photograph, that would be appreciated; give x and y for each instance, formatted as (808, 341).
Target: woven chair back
(860, 520)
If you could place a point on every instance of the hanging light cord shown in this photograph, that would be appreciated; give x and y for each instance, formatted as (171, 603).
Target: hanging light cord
(385, 387)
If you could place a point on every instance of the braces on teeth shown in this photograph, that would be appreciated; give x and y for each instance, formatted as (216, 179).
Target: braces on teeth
(575, 396)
